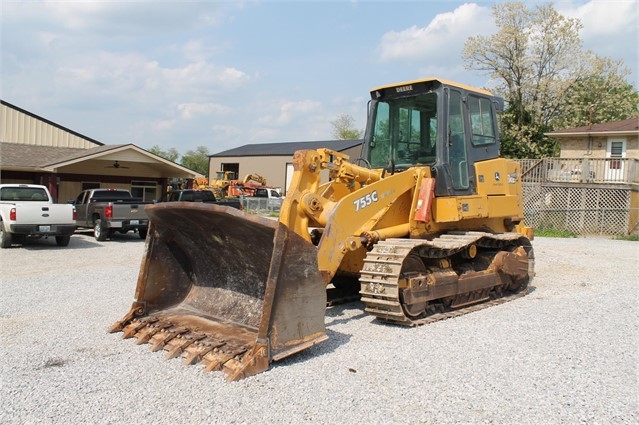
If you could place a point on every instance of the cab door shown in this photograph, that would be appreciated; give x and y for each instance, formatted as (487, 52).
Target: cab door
(457, 154)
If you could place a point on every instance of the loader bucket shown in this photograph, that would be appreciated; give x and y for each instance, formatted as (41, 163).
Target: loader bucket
(227, 289)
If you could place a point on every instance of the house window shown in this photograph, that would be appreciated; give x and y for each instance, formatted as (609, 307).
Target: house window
(616, 150)
(90, 185)
(144, 189)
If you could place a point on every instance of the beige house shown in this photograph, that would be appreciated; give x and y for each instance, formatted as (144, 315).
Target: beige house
(600, 153)
(274, 161)
(618, 139)
(36, 150)
(592, 188)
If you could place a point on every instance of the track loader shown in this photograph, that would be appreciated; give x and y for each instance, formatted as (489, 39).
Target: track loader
(427, 224)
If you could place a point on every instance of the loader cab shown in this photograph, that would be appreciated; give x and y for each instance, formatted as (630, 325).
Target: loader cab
(445, 126)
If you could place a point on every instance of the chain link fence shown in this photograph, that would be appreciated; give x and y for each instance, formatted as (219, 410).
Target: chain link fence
(263, 206)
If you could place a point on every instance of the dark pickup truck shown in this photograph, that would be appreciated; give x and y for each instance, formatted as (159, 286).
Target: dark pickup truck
(111, 210)
(196, 195)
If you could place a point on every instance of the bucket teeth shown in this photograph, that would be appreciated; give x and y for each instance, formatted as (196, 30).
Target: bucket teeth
(215, 360)
(181, 343)
(132, 328)
(231, 366)
(195, 352)
(159, 340)
(226, 360)
(145, 335)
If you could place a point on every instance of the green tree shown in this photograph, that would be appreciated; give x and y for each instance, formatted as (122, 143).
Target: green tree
(172, 154)
(344, 128)
(197, 160)
(602, 94)
(524, 140)
(537, 61)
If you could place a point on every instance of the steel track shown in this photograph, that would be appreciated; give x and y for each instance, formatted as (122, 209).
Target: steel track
(381, 274)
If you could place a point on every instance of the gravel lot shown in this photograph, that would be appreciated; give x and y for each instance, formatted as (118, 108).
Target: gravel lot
(566, 353)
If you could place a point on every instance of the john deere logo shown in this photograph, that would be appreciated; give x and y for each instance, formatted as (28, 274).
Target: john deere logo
(497, 176)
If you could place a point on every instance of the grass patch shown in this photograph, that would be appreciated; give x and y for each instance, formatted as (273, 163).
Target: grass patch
(554, 233)
(634, 238)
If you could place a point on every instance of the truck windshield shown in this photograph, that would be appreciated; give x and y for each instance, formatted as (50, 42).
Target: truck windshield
(404, 132)
(111, 194)
(23, 194)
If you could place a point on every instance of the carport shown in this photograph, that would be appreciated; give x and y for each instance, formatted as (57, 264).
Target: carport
(67, 171)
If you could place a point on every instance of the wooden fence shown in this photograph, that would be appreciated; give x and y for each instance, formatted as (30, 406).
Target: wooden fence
(582, 196)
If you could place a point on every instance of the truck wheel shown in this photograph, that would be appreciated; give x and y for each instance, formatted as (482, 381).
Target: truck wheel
(62, 240)
(99, 232)
(5, 238)
(18, 239)
(143, 231)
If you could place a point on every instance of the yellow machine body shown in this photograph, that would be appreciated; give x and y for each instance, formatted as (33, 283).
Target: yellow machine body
(428, 221)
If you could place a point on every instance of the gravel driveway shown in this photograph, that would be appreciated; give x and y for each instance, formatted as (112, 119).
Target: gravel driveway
(566, 353)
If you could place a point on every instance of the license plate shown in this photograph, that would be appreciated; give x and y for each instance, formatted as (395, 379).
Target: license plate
(134, 222)
(44, 228)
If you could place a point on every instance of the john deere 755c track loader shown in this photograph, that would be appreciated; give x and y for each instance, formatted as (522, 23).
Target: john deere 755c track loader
(428, 223)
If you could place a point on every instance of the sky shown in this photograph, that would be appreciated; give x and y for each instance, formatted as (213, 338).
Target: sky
(183, 74)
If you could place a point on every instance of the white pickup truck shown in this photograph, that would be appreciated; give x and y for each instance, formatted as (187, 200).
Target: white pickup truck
(27, 210)
(264, 198)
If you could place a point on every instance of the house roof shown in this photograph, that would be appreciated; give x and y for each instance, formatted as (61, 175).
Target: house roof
(287, 148)
(17, 156)
(33, 156)
(629, 126)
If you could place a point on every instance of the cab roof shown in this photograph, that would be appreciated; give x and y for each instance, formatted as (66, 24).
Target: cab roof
(441, 80)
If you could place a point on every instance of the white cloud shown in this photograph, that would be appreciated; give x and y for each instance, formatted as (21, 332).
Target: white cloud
(289, 111)
(162, 125)
(196, 50)
(610, 28)
(263, 134)
(224, 132)
(441, 40)
(129, 18)
(190, 110)
(137, 78)
(202, 76)
(603, 18)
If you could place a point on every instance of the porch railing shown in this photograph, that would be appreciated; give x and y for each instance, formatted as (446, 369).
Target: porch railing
(581, 170)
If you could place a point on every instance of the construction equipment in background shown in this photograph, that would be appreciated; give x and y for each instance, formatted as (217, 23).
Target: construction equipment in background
(226, 184)
(247, 186)
(427, 224)
(220, 184)
(199, 183)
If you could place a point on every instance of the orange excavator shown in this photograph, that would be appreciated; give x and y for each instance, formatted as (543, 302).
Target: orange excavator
(247, 186)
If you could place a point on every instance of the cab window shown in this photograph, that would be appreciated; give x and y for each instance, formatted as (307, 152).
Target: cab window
(404, 132)
(481, 119)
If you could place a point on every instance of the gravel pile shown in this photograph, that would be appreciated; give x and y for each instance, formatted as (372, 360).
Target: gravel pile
(566, 353)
